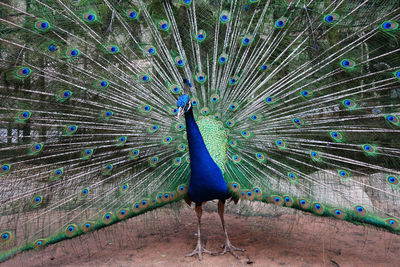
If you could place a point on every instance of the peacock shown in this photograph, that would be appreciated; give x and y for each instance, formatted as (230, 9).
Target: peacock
(112, 108)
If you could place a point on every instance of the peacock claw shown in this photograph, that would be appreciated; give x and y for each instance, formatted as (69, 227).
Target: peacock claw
(228, 247)
(199, 250)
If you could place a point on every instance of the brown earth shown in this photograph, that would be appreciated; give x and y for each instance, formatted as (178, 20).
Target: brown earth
(278, 238)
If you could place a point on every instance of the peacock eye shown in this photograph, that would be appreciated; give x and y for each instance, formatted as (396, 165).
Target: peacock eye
(164, 25)
(329, 18)
(280, 23)
(90, 17)
(132, 15)
(52, 48)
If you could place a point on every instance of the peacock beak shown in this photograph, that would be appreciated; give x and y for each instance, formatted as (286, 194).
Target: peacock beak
(180, 112)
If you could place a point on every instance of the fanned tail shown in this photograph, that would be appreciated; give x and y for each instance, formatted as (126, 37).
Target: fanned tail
(302, 96)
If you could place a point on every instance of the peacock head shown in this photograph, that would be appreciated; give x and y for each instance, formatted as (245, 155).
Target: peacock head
(184, 103)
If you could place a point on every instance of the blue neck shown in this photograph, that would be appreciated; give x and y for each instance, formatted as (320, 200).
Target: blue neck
(197, 148)
(206, 180)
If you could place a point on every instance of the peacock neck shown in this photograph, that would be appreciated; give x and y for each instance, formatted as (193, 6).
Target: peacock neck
(197, 148)
(206, 178)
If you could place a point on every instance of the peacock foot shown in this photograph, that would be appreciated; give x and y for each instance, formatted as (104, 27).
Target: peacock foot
(199, 250)
(228, 247)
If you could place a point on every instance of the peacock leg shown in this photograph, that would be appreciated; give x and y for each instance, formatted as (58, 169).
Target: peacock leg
(199, 248)
(228, 247)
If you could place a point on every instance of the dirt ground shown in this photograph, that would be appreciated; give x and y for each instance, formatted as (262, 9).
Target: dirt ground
(278, 238)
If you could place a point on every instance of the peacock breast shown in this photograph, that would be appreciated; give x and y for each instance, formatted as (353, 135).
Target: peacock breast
(215, 137)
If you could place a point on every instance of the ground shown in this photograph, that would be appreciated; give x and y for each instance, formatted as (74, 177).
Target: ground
(281, 237)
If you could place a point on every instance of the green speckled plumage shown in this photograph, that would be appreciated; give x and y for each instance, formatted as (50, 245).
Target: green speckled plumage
(216, 139)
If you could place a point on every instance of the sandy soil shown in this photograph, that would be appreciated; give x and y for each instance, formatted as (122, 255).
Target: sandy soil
(278, 238)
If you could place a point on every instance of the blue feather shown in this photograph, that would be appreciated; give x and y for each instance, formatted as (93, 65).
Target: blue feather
(206, 179)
